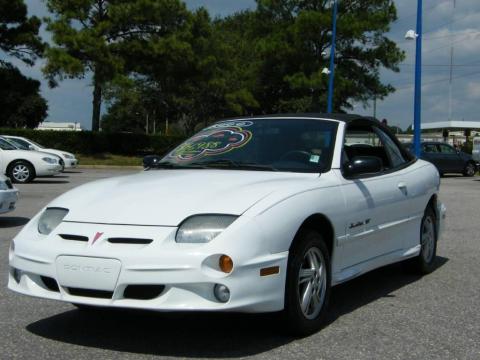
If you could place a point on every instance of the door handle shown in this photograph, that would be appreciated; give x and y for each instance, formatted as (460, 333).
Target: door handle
(403, 187)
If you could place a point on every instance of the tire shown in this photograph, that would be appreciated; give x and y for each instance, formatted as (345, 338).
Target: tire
(469, 170)
(21, 172)
(308, 253)
(62, 164)
(424, 263)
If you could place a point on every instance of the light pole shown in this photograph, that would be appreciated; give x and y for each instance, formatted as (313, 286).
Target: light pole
(417, 117)
(332, 59)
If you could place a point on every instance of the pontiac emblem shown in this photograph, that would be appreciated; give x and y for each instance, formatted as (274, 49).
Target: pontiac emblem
(97, 236)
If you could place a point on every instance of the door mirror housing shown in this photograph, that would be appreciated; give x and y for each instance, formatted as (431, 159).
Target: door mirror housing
(151, 161)
(31, 147)
(363, 165)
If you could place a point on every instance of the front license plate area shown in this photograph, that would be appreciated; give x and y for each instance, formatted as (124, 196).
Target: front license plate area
(87, 272)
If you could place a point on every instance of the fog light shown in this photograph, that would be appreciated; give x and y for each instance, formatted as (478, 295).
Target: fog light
(17, 274)
(225, 263)
(222, 293)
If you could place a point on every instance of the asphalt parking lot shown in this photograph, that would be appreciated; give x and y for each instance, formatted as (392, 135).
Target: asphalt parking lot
(386, 314)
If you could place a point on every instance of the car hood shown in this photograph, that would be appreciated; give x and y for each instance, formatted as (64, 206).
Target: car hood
(167, 197)
(28, 154)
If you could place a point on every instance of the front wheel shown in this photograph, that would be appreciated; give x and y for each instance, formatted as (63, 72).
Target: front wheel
(469, 170)
(21, 172)
(307, 290)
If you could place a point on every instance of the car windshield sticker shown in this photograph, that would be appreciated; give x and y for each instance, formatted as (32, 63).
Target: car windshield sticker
(230, 124)
(314, 158)
(213, 141)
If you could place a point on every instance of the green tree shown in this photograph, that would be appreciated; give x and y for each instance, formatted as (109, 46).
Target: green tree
(101, 36)
(20, 101)
(288, 42)
(18, 32)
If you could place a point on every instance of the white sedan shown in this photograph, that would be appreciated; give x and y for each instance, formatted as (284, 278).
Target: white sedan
(8, 195)
(252, 215)
(22, 166)
(68, 160)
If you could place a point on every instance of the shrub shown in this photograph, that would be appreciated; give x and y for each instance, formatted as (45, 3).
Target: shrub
(87, 142)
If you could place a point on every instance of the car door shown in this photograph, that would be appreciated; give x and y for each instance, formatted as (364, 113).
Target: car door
(450, 159)
(431, 153)
(378, 208)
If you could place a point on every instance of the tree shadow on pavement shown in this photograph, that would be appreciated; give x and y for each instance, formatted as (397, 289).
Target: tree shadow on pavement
(206, 335)
(10, 222)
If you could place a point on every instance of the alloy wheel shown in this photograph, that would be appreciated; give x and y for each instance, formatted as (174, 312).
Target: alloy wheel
(312, 283)
(20, 173)
(428, 239)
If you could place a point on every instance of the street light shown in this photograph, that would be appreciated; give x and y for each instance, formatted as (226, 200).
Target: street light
(417, 117)
(332, 59)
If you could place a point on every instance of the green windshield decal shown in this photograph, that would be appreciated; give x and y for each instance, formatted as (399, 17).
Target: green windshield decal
(213, 141)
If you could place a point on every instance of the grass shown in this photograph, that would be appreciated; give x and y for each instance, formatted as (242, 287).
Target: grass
(109, 160)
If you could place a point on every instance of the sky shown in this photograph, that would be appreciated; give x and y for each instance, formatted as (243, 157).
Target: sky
(443, 26)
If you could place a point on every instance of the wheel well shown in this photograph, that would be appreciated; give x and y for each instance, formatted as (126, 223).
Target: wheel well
(20, 160)
(322, 224)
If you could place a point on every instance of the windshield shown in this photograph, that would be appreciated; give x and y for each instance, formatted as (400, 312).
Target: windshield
(297, 145)
(5, 145)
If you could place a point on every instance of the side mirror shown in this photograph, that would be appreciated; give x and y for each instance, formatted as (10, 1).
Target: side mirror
(30, 147)
(362, 165)
(150, 161)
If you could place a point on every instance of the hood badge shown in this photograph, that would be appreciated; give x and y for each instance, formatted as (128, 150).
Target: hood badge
(97, 236)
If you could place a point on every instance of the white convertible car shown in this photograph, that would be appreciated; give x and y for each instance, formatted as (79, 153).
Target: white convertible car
(260, 214)
(22, 166)
(68, 160)
(8, 195)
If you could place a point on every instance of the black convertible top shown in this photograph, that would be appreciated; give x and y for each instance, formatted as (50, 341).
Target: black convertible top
(338, 117)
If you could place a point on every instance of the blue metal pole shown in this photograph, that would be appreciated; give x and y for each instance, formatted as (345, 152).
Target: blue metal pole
(417, 119)
(332, 59)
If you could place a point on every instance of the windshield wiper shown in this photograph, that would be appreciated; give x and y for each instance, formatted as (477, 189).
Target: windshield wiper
(235, 165)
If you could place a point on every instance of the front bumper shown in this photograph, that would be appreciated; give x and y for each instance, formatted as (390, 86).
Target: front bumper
(100, 273)
(8, 200)
(48, 169)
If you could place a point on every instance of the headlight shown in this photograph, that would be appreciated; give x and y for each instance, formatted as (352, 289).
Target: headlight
(3, 185)
(50, 160)
(67, 156)
(201, 229)
(50, 219)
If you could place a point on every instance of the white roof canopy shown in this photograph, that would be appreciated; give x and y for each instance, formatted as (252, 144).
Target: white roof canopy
(451, 125)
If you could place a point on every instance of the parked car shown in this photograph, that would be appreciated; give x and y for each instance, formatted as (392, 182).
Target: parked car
(68, 160)
(8, 195)
(446, 158)
(261, 214)
(22, 166)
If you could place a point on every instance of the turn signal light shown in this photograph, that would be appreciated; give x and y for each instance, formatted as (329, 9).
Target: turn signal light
(225, 263)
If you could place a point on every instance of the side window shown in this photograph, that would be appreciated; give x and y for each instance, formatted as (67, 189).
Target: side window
(447, 149)
(430, 148)
(364, 141)
(393, 151)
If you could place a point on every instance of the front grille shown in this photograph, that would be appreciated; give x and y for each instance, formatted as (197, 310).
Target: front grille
(130, 241)
(74, 237)
(100, 294)
(143, 292)
(50, 283)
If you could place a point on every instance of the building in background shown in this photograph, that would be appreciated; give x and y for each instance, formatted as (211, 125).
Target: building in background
(59, 126)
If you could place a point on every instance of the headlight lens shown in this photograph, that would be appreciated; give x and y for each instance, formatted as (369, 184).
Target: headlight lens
(201, 229)
(50, 219)
(49, 160)
(3, 185)
(67, 156)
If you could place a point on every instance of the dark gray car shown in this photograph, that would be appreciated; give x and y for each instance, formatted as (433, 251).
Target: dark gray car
(446, 158)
